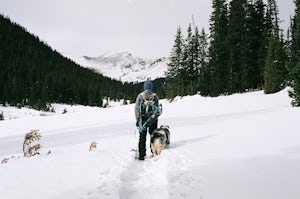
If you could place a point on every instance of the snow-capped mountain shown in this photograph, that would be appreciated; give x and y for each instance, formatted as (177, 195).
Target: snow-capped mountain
(125, 67)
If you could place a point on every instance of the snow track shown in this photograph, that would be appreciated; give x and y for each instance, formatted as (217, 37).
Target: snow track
(168, 177)
(144, 179)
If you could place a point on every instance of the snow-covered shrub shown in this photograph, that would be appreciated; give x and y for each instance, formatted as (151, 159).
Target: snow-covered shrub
(31, 147)
(64, 111)
(93, 145)
(4, 161)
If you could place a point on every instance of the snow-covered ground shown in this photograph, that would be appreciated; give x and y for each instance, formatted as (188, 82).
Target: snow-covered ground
(243, 146)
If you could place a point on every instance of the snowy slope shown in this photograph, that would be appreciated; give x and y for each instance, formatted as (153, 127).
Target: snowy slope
(125, 67)
(242, 146)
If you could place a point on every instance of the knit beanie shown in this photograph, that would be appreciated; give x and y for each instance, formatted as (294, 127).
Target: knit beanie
(148, 85)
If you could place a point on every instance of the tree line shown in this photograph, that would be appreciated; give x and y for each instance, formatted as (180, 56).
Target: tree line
(32, 74)
(245, 50)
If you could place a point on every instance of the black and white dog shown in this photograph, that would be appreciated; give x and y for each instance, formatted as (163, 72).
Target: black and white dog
(160, 138)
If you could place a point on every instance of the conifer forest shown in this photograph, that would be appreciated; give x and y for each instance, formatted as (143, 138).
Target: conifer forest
(245, 50)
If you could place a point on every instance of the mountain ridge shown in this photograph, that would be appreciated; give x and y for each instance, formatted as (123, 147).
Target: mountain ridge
(125, 67)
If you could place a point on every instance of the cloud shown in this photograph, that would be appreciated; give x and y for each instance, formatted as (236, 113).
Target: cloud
(145, 28)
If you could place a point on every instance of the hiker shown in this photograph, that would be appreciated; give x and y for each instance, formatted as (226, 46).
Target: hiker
(147, 110)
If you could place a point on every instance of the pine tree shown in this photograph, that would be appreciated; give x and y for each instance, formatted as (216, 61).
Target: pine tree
(195, 69)
(173, 85)
(237, 46)
(271, 73)
(218, 50)
(294, 69)
(189, 69)
(255, 37)
(203, 62)
(275, 73)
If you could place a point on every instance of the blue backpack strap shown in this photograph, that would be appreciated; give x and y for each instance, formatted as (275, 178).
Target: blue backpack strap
(150, 102)
(156, 113)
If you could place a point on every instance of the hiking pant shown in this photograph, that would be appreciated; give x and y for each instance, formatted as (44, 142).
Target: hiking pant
(143, 137)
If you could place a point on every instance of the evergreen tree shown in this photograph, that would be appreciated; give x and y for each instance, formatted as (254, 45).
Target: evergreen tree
(255, 38)
(218, 49)
(203, 62)
(189, 69)
(173, 79)
(188, 62)
(237, 46)
(271, 73)
(294, 64)
(275, 72)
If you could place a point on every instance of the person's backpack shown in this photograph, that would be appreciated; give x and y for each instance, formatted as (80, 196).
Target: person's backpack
(148, 105)
(149, 109)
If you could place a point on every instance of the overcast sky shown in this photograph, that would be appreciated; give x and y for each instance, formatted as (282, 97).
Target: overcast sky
(145, 28)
